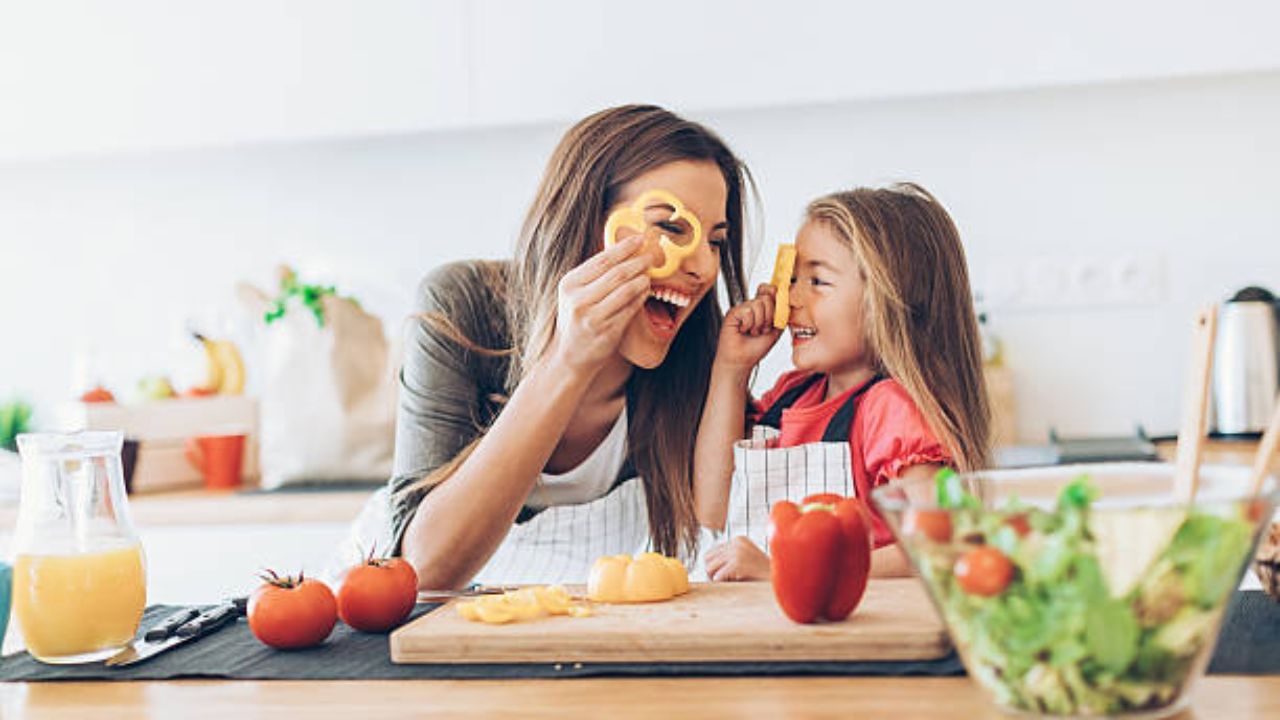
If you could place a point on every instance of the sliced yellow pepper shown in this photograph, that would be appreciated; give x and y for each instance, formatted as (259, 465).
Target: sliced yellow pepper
(648, 577)
(523, 604)
(783, 270)
(632, 217)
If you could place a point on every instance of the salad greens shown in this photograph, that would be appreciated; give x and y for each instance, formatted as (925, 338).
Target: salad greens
(1058, 638)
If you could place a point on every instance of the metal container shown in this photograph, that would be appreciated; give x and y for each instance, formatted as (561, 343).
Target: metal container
(1246, 368)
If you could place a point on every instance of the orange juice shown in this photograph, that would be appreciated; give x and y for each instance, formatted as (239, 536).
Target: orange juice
(74, 604)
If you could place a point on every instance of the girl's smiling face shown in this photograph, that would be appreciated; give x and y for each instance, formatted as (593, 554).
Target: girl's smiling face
(827, 310)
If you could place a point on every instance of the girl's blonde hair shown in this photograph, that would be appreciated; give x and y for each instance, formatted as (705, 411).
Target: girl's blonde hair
(920, 320)
(564, 226)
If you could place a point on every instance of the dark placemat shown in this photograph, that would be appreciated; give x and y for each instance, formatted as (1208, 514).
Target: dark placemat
(1250, 643)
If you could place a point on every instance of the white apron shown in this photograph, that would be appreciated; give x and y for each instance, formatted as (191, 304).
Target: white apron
(764, 474)
(558, 545)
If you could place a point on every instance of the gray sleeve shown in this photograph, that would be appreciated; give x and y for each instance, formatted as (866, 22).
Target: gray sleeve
(444, 388)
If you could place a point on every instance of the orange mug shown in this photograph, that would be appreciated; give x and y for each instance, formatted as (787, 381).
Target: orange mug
(219, 458)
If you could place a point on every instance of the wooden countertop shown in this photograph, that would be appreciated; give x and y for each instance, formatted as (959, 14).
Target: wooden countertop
(1216, 452)
(897, 698)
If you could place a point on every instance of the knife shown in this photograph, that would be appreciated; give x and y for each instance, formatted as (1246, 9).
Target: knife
(177, 629)
(431, 596)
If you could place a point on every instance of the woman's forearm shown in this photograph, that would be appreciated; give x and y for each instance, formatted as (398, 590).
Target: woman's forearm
(461, 522)
(721, 425)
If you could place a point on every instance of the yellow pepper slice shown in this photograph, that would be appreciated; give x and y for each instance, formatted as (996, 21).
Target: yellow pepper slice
(555, 600)
(783, 270)
(494, 613)
(632, 217)
(523, 604)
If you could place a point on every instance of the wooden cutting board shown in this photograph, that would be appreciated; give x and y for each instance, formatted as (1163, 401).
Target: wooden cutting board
(729, 622)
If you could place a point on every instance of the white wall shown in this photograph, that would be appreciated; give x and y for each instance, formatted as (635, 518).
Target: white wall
(1176, 177)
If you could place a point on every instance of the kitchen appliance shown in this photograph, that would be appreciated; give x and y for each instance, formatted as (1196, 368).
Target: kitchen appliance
(1246, 369)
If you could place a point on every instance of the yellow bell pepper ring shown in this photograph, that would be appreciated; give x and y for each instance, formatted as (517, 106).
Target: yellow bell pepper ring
(524, 604)
(648, 577)
(632, 217)
(783, 269)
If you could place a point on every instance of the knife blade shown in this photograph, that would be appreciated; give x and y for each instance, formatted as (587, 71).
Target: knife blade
(429, 596)
(202, 624)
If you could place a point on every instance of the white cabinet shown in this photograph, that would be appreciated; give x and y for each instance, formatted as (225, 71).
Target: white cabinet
(140, 74)
(559, 59)
(83, 76)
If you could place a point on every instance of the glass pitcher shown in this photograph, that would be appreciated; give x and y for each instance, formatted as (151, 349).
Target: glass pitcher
(79, 579)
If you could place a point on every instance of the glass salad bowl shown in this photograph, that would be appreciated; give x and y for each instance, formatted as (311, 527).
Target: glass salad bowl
(1081, 590)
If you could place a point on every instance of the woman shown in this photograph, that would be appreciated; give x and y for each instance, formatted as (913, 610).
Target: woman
(548, 406)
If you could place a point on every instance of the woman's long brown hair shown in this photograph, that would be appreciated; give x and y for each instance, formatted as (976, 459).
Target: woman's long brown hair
(920, 320)
(564, 227)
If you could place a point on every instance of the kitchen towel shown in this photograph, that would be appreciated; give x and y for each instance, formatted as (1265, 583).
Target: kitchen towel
(1249, 644)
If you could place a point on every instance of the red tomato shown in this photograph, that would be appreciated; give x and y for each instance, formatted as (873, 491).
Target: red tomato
(98, 395)
(377, 594)
(984, 571)
(1019, 524)
(288, 613)
(934, 524)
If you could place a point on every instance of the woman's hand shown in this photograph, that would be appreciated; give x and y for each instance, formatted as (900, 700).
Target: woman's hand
(597, 300)
(738, 559)
(748, 333)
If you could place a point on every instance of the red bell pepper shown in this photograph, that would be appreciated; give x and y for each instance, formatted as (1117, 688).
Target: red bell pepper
(820, 556)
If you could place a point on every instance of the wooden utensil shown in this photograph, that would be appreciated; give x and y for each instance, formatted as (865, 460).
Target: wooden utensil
(1266, 451)
(1195, 405)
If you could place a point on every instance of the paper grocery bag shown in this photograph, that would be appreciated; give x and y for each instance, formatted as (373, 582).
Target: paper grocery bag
(327, 385)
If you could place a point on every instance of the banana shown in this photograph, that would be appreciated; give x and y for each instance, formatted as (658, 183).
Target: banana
(213, 367)
(232, 367)
(224, 366)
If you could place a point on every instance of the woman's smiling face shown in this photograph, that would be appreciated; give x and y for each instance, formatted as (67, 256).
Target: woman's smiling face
(828, 316)
(701, 187)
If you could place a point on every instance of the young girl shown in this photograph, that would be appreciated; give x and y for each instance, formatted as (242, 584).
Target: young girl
(885, 346)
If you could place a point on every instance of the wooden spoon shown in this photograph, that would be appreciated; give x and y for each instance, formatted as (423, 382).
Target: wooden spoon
(1128, 543)
(1266, 450)
(1195, 405)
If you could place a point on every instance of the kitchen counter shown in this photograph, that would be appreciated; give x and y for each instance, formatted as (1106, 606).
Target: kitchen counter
(1226, 696)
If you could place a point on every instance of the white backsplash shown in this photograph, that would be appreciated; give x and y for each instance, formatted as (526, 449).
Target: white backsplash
(115, 252)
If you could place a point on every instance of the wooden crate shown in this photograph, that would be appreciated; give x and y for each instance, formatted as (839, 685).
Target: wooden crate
(162, 428)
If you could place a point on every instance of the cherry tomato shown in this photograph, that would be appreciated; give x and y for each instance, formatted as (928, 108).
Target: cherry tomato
(984, 571)
(1019, 524)
(934, 524)
(288, 612)
(377, 594)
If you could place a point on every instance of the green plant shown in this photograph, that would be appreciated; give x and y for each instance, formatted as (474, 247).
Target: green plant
(309, 295)
(15, 418)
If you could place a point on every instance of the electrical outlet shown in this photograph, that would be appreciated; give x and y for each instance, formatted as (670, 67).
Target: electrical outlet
(1078, 281)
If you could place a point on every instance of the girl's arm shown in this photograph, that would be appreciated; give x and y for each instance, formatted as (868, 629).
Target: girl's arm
(460, 523)
(723, 422)
(745, 337)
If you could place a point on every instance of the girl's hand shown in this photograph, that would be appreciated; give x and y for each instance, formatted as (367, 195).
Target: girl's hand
(597, 300)
(738, 559)
(748, 333)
